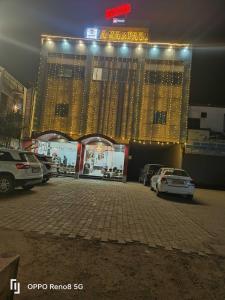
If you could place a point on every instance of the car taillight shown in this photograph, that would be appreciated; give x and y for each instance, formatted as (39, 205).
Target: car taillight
(163, 180)
(22, 166)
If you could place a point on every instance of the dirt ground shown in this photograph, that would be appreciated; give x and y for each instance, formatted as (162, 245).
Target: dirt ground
(112, 271)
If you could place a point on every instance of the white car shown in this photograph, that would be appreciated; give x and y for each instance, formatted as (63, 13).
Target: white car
(18, 169)
(174, 181)
(48, 167)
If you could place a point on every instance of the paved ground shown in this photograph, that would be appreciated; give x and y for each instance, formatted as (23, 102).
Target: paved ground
(124, 213)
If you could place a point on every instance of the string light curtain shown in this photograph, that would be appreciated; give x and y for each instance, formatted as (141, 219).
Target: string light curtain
(126, 95)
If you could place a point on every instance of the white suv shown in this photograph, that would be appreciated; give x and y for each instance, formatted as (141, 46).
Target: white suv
(18, 168)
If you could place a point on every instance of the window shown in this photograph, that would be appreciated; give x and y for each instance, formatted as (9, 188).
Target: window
(65, 72)
(159, 77)
(204, 115)
(78, 72)
(159, 171)
(5, 156)
(101, 74)
(177, 173)
(168, 173)
(193, 123)
(28, 157)
(62, 110)
(160, 117)
(97, 74)
(180, 173)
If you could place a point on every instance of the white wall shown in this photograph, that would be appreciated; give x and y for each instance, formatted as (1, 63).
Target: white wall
(214, 120)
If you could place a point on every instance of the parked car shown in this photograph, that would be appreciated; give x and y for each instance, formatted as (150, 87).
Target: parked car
(147, 172)
(175, 181)
(48, 167)
(18, 169)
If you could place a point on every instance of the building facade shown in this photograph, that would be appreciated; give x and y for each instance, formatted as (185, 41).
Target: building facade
(120, 85)
(207, 117)
(12, 108)
(12, 93)
(204, 153)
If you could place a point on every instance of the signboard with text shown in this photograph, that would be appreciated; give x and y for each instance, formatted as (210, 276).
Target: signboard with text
(124, 34)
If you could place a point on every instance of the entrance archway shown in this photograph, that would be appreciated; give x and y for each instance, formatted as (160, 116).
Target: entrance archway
(101, 157)
(60, 147)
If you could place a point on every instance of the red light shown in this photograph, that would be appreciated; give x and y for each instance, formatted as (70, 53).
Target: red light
(121, 10)
(22, 166)
(163, 180)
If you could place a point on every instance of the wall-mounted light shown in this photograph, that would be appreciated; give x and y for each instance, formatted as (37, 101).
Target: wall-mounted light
(80, 46)
(154, 51)
(15, 108)
(185, 53)
(50, 43)
(65, 44)
(124, 49)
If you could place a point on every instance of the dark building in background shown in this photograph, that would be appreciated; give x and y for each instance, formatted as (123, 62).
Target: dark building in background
(204, 155)
(12, 108)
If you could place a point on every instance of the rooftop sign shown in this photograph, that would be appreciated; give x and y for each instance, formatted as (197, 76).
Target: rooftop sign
(92, 33)
(123, 34)
(121, 10)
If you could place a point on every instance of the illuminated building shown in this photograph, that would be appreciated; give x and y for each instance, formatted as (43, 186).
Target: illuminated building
(127, 91)
(114, 83)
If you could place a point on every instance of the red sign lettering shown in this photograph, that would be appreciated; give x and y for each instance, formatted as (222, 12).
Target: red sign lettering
(121, 10)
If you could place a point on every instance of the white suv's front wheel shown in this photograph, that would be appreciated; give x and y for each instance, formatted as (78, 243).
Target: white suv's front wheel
(6, 184)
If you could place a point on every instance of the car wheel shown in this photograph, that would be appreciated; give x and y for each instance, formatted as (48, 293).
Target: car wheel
(190, 197)
(158, 193)
(6, 184)
(27, 187)
(45, 180)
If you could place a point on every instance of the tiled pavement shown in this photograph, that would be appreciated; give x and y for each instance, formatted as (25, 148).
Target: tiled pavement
(124, 213)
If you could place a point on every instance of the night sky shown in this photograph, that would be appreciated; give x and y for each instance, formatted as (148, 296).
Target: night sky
(200, 22)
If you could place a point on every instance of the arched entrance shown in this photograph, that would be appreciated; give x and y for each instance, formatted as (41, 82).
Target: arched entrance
(61, 148)
(95, 156)
(101, 157)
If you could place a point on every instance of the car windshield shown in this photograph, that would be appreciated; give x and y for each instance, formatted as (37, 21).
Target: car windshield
(169, 173)
(29, 157)
(177, 173)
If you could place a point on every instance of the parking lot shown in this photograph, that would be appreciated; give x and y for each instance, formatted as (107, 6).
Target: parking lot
(118, 212)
